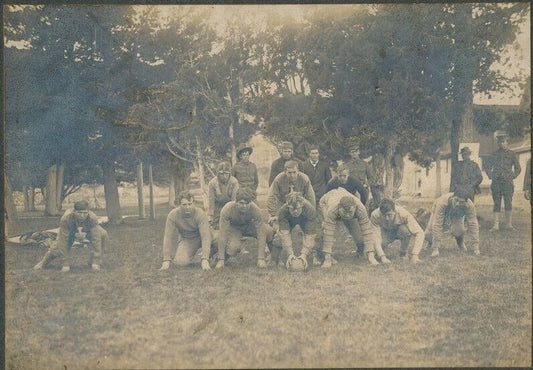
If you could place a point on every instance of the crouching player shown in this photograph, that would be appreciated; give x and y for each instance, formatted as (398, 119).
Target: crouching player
(394, 222)
(240, 219)
(186, 230)
(339, 207)
(77, 227)
(453, 208)
(297, 211)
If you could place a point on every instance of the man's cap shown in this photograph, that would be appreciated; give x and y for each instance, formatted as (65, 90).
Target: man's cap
(287, 145)
(245, 194)
(223, 167)
(244, 148)
(81, 205)
(465, 150)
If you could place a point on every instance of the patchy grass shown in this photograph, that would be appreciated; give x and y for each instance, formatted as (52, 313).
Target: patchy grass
(456, 310)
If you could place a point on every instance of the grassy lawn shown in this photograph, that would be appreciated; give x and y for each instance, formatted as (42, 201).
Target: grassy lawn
(456, 310)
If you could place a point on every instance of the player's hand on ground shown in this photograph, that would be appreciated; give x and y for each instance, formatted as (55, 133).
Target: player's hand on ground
(220, 264)
(205, 265)
(165, 266)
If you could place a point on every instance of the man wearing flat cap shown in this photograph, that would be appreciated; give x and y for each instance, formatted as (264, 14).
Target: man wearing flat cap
(466, 175)
(245, 171)
(502, 170)
(221, 189)
(239, 219)
(77, 226)
(278, 165)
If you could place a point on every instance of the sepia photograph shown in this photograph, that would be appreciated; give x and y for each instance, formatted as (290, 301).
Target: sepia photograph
(267, 186)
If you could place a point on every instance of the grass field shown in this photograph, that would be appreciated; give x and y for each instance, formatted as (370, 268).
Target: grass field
(456, 310)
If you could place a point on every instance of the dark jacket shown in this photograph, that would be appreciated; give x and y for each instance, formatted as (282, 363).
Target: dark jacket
(319, 176)
(278, 166)
(352, 185)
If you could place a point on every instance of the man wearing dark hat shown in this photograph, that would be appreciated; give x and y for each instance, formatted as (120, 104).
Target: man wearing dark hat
(245, 171)
(186, 230)
(278, 165)
(502, 170)
(290, 180)
(318, 172)
(466, 175)
(239, 219)
(77, 226)
(453, 209)
(221, 189)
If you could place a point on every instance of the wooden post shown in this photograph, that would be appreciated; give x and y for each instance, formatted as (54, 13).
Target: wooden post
(26, 198)
(438, 187)
(151, 187)
(140, 197)
(31, 198)
(172, 189)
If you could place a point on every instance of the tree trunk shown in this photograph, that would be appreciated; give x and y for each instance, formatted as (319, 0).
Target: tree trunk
(231, 134)
(454, 143)
(10, 214)
(438, 186)
(25, 193)
(389, 173)
(140, 195)
(112, 200)
(31, 198)
(50, 207)
(151, 192)
(59, 186)
(398, 171)
(201, 175)
(172, 188)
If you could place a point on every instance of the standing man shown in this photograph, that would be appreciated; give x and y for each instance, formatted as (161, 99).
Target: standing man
(363, 173)
(395, 222)
(77, 226)
(298, 212)
(221, 189)
(288, 181)
(453, 209)
(339, 207)
(348, 182)
(279, 164)
(467, 175)
(239, 219)
(245, 171)
(318, 172)
(503, 169)
(186, 230)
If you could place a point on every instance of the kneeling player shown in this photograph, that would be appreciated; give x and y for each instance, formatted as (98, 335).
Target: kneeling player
(394, 222)
(77, 226)
(453, 208)
(187, 229)
(297, 211)
(239, 219)
(339, 207)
